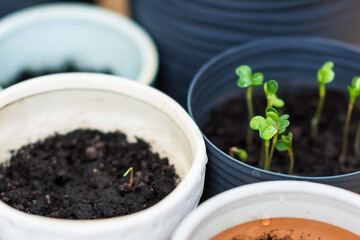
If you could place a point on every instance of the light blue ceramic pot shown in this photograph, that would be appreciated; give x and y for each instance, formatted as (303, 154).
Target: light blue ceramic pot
(47, 36)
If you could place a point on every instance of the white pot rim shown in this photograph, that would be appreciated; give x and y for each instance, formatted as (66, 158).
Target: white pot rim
(83, 11)
(115, 84)
(223, 199)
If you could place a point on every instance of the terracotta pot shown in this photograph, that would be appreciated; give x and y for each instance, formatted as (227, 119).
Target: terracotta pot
(276, 207)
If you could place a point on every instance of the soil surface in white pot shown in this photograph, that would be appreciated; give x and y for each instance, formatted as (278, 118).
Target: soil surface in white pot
(68, 66)
(228, 124)
(79, 175)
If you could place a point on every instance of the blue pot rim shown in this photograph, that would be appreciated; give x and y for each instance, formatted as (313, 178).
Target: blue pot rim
(261, 42)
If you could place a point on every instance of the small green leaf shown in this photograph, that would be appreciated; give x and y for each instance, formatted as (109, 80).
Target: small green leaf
(244, 73)
(277, 102)
(273, 116)
(270, 87)
(271, 109)
(240, 152)
(356, 83)
(270, 121)
(244, 82)
(272, 113)
(257, 79)
(268, 132)
(284, 123)
(284, 117)
(246, 78)
(325, 73)
(258, 123)
(282, 129)
(284, 143)
(282, 126)
(280, 145)
(354, 89)
(287, 139)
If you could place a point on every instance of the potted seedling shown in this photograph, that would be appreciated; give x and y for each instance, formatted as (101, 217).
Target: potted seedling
(275, 210)
(354, 92)
(248, 80)
(270, 128)
(84, 136)
(299, 90)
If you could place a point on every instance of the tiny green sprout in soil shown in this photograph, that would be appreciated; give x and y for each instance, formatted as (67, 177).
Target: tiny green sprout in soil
(325, 75)
(354, 92)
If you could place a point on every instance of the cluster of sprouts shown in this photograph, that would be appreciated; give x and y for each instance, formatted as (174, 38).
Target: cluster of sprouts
(273, 126)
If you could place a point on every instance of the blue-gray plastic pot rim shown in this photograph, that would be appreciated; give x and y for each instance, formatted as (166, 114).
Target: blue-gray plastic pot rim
(270, 41)
(205, 10)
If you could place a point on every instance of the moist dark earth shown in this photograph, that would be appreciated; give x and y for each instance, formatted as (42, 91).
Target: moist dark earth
(319, 157)
(271, 236)
(68, 66)
(79, 175)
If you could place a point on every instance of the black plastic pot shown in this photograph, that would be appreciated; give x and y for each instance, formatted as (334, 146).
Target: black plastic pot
(189, 32)
(293, 62)
(9, 6)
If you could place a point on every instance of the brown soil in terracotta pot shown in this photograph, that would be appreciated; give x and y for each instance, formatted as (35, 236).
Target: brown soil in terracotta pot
(228, 125)
(285, 229)
(79, 175)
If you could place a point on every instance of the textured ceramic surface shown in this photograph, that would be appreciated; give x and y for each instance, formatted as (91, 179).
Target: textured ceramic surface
(60, 103)
(190, 32)
(293, 62)
(268, 200)
(49, 35)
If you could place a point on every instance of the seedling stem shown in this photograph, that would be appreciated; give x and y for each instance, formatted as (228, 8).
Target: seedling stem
(248, 80)
(354, 92)
(285, 143)
(131, 170)
(267, 162)
(324, 75)
(250, 133)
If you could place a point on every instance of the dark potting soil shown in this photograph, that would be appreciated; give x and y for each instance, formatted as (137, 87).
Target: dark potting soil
(68, 66)
(79, 175)
(228, 125)
(271, 236)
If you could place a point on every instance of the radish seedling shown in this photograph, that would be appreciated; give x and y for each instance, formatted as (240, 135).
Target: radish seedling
(248, 80)
(325, 75)
(270, 128)
(131, 171)
(270, 89)
(285, 144)
(238, 151)
(354, 92)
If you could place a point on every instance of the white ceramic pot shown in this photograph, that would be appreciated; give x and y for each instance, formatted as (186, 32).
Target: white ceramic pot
(47, 36)
(273, 199)
(35, 109)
